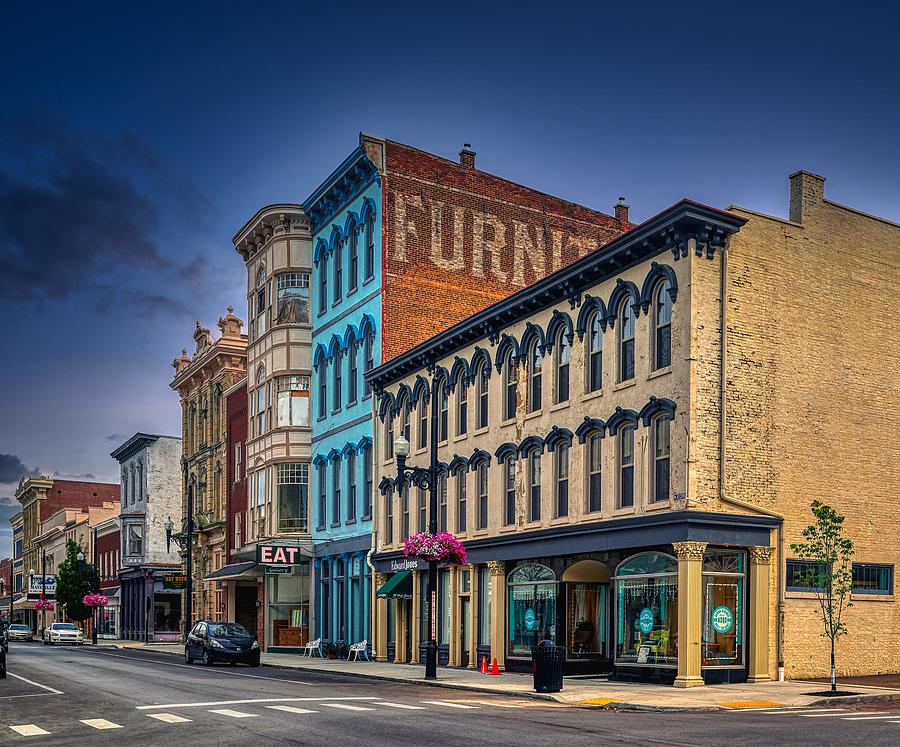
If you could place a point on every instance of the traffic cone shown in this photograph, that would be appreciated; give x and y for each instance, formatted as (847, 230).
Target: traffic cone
(484, 666)
(495, 670)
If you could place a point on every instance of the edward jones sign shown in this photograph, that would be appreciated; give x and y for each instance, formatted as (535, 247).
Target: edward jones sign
(283, 555)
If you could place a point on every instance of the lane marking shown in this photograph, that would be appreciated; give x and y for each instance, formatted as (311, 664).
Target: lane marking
(100, 723)
(169, 718)
(252, 700)
(233, 714)
(495, 703)
(291, 709)
(822, 715)
(876, 715)
(29, 730)
(37, 684)
(782, 709)
(449, 704)
(346, 707)
(403, 705)
(810, 711)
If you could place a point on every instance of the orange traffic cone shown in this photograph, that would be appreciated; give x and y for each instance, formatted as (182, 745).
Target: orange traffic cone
(494, 668)
(484, 666)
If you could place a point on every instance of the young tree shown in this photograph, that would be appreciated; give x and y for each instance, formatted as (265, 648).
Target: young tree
(74, 579)
(830, 575)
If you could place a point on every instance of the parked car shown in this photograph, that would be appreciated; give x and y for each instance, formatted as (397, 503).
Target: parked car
(63, 633)
(211, 641)
(19, 632)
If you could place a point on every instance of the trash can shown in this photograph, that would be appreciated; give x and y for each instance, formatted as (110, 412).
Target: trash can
(548, 660)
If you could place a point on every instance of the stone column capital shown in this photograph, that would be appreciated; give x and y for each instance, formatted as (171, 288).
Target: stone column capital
(760, 555)
(496, 567)
(689, 550)
(381, 579)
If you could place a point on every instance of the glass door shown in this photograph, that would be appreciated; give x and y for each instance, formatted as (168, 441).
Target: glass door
(465, 631)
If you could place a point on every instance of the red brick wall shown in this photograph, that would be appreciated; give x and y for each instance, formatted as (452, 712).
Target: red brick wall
(457, 239)
(106, 544)
(6, 575)
(236, 415)
(71, 494)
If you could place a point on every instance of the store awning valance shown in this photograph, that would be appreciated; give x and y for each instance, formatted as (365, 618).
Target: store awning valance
(235, 570)
(399, 586)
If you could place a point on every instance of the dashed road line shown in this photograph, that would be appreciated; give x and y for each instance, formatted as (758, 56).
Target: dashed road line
(448, 704)
(876, 715)
(822, 714)
(290, 709)
(29, 730)
(100, 723)
(37, 684)
(169, 718)
(346, 707)
(253, 700)
(234, 714)
(402, 705)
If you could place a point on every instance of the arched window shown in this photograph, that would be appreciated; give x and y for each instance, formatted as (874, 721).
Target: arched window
(336, 387)
(389, 436)
(353, 257)
(510, 384)
(442, 502)
(351, 486)
(421, 510)
(404, 422)
(353, 372)
(594, 340)
(336, 492)
(481, 391)
(595, 473)
(534, 485)
(563, 351)
(461, 513)
(404, 511)
(561, 478)
(662, 326)
(462, 408)
(323, 390)
(482, 476)
(323, 281)
(260, 401)
(423, 422)
(323, 496)
(626, 466)
(626, 342)
(444, 412)
(389, 517)
(368, 360)
(647, 610)
(535, 370)
(260, 302)
(660, 451)
(368, 481)
(531, 608)
(370, 245)
(509, 490)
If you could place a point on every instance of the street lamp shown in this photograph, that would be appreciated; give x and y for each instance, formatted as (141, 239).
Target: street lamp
(425, 478)
(95, 589)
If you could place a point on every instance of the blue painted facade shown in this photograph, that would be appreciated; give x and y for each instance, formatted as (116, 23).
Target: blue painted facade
(346, 211)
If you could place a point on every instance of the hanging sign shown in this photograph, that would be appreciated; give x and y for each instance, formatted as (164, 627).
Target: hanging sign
(645, 620)
(722, 619)
(174, 581)
(36, 587)
(278, 554)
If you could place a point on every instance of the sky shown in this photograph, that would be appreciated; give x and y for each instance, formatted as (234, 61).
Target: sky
(135, 140)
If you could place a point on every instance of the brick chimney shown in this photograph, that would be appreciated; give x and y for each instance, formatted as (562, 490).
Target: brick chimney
(467, 157)
(807, 194)
(621, 211)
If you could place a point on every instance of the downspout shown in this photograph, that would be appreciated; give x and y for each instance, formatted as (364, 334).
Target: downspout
(723, 307)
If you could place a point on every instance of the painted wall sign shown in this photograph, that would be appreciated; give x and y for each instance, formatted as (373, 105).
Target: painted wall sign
(278, 554)
(407, 565)
(722, 619)
(645, 620)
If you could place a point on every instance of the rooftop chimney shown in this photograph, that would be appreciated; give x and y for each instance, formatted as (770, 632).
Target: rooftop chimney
(467, 157)
(621, 211)
(807, 194)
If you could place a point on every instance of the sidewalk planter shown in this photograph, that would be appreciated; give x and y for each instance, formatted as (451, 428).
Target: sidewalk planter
(548, 661)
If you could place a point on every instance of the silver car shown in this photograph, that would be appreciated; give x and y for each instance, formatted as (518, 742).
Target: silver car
(19, 632)
(63, 633)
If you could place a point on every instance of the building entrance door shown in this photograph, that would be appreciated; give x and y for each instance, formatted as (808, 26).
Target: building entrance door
(465, 631)
(245, 606)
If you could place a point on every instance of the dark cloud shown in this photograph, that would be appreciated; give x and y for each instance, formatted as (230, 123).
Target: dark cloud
(12, 470)
(77, 219)
(118, 438)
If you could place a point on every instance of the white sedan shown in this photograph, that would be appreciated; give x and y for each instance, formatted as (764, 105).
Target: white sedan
(63, 633)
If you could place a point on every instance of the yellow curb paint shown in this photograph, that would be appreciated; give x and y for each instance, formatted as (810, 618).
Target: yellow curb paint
(751, 704)
(597, 701)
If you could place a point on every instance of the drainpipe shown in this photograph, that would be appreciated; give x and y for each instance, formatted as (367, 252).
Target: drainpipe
(723, 306)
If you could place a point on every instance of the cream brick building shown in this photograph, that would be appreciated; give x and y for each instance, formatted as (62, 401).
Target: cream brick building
(609, 500)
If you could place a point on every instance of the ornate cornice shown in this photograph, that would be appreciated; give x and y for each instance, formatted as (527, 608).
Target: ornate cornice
(497, 567)
(689, 550)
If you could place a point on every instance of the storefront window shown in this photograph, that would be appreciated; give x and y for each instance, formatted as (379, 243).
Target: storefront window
(532, 608)
(723, 608)
(444, 586)
(484, 606)
(288, 601)
(166, 610)
(586, 604)
(647, 610)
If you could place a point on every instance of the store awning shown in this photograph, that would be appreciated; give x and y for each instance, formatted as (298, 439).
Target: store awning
(399, 586)
(235, 570)
(111, 593)
(23, 604)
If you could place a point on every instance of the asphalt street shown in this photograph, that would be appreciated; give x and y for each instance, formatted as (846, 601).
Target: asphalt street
(88, 696)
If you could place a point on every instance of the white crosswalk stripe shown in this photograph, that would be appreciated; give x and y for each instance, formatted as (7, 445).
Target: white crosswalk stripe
(169, 718)
(29, 730)
(402, 705)
(291, 709)
(232, 713)
(346, 707)
(100, 723)
(448, 704)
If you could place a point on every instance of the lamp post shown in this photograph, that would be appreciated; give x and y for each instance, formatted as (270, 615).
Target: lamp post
(186, 542)
(95, 589)
(427, 479)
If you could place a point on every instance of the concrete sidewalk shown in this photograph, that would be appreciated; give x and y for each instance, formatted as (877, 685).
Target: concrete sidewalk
(598, 692)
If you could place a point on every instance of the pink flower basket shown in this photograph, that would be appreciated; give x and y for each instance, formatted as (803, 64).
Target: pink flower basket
(442, 548)
(44, 604)
(95, 600)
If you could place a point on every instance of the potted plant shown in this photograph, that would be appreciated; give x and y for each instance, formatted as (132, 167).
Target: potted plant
(443, 548)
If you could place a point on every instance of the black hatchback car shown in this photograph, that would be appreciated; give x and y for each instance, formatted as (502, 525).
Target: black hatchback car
(211, 641)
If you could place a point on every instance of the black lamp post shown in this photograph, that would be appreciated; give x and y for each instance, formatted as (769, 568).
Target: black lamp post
(427, 479)
(186, 542)
(94, 590)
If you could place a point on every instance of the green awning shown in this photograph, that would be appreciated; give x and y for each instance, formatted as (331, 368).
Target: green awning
(399, 586)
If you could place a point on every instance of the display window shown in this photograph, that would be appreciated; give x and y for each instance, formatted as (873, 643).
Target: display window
(287, 598)
(723, 608)
(532, 608)
(647, 611)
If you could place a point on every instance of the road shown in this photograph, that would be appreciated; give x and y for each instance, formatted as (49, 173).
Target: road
(85, 696)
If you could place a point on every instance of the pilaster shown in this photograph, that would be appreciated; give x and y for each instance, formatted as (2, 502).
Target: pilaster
(497, 569)
(690, 581)
(760, 565)
(379, 617)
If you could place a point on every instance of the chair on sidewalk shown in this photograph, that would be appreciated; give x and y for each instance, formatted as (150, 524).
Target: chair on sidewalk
(357, 650)
(312, 648)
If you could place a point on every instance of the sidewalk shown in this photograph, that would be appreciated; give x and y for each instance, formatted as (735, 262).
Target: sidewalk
(576, 691)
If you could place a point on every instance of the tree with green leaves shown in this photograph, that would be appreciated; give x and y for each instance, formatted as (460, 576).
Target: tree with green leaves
(830, 574)
(74, 579)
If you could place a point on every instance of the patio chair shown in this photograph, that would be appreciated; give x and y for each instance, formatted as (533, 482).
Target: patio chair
(312, 648)
(357, 650)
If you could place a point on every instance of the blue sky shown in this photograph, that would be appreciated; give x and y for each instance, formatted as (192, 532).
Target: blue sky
(135, 141)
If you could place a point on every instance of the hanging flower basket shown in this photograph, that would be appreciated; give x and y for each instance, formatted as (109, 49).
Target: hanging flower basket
(44, 604)
(443, 548)
(95, 600)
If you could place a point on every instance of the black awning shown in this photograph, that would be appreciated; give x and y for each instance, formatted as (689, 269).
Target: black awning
(399, 586)
(235, 570)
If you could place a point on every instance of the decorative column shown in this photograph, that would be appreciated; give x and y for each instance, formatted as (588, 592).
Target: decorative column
(379, 620)
(497, 569)
(690, 606)
(453, 634)
(473, 616)
(760, 563)
(415, 623)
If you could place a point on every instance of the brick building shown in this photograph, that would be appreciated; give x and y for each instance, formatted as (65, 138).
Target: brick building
(631, 445)
(107, 559)
(6, 589)
(405, 244)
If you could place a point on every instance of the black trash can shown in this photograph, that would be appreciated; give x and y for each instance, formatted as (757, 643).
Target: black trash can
(548, 660)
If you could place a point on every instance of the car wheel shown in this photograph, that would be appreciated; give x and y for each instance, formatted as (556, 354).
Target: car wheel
(207, 658)
(188, 659)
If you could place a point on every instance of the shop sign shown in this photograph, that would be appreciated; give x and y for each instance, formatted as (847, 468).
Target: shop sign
(286, 555)
(36, 587)
(722, 619)
(279, 570)
(645, 620)
(530, 620)
(407, 565)
(174, 581)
